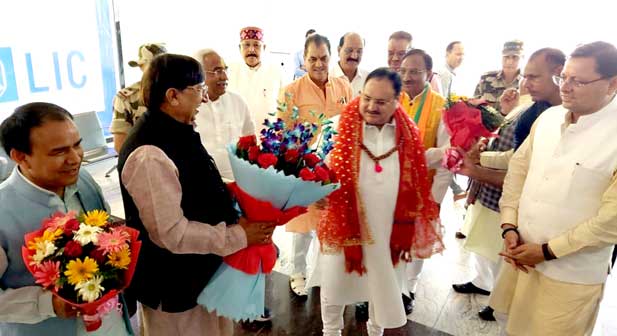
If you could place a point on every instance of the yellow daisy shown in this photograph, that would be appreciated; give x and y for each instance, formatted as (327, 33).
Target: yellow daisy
(48, 236)
(120, 259)
(78, 271)
(96, 218)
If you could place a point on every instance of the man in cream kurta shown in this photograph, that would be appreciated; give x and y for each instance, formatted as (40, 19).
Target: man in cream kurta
(559, 205)
(225, 117)
(257, 82)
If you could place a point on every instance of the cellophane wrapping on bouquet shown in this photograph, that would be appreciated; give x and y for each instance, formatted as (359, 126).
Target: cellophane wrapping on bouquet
(85, 261)
(275, 181)
(467, 120)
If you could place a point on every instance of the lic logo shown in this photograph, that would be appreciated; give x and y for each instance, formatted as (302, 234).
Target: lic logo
(8, 85)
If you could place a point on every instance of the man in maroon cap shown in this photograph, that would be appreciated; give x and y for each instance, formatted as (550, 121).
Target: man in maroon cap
(257, 83)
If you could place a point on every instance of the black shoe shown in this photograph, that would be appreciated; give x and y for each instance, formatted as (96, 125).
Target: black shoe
(459, 235)
(409, 303)
(486, 314)
(469, 288)
(362, 312)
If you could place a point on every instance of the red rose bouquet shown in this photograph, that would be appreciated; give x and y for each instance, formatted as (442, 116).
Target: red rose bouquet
(467, 120)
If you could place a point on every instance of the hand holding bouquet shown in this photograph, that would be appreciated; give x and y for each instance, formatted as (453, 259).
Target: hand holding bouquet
(274, 182)
(467, 120)
(84, 260)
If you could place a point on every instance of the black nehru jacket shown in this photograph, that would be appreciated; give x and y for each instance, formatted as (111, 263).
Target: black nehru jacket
(174, 281)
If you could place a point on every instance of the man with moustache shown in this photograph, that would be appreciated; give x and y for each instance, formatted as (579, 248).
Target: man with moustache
(350, 49)
(257, 82)
(425, 107)
(558, 205)
(315, 93)
(484, 240)
(493, 83)
(224, 118)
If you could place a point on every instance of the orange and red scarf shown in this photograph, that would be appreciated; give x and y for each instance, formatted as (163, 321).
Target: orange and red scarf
(415, 231)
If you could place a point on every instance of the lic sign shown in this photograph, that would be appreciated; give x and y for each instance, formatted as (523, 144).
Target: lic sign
(65, 75)
(8, 85)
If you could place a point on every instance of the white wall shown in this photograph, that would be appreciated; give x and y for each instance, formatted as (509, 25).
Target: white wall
(483, 26)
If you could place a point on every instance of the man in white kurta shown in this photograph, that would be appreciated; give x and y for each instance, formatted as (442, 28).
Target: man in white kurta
(559, 205)
(257, 82)
(350, 50)
(387, 139)
(225, 117)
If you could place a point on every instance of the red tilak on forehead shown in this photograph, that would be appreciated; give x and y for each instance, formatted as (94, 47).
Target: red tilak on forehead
(251, 34)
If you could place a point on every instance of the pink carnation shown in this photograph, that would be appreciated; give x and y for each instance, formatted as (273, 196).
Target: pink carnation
(58, 220)
(113, 241)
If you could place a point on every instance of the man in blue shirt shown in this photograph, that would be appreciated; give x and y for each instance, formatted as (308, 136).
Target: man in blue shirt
(46, 146)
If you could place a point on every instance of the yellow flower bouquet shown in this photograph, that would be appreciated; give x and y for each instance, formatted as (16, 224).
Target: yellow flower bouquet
(84, 260)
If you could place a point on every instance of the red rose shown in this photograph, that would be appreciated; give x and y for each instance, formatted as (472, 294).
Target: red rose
(311, 160)
(452, 160)
(72, 249)
(253, 153)
(333, 178)
(98, 255)
(246, 142)
(322, 174)
(70, 226)
(292, 155)
(267, 160)
(307, 175)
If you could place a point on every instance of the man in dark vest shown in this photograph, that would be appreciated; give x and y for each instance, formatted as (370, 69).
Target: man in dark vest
(174, 194)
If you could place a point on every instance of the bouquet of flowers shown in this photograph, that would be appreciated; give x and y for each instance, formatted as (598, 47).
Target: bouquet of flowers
(467, 120)
(84, 260)
(274, 181)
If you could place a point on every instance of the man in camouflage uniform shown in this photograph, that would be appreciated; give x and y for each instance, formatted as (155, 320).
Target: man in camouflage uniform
(127, 102)
(493, 83)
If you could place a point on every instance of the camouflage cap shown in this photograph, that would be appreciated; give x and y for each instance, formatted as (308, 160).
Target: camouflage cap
(147, 52)
(514, 47)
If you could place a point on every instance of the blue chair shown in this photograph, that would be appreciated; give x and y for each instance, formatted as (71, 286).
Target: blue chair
(93, 139)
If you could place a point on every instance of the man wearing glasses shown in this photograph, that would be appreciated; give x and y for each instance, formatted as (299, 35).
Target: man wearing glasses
(493, 83)
(483, 215)
(257, 82)
(350, 49)
(225, 117)
(558, 208)
(425, 108)
(398, 45)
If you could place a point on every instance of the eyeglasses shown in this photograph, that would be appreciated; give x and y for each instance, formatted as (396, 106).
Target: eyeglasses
(379, 102)
(561, 81)
(218, 72)
(411, 72)
(199, 88)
